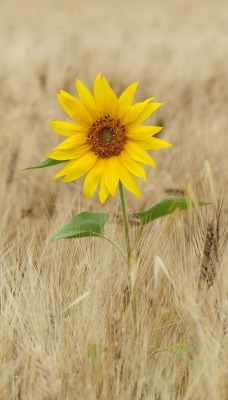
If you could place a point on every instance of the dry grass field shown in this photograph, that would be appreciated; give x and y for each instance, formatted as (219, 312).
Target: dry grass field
(66, 330)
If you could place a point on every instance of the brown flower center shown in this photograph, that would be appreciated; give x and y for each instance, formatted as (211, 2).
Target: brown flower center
(107, 137)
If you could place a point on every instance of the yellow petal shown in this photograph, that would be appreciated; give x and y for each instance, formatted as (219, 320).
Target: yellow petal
(73, 147)
(73, 141)
(74, 169)
(84, 94)
(146, 112)
(93, 178)
(138, 154)
(111, 99)
(142, 132)
(126, 100)
(134, 112)
(87, 99)
(133, 166)
(99, 95)
(75, 109)
(67, 128)
(153, 144)
(129, 181)
(127, 97)
(112, 174)
(103, 193)
(69, 153)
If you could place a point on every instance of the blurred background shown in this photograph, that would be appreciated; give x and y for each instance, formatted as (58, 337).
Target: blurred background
(51, 347)
(177, 50)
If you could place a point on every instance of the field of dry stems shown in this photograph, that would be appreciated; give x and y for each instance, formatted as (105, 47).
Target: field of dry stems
(66, 331)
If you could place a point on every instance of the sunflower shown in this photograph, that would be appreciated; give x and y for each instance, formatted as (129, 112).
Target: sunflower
(106, 141)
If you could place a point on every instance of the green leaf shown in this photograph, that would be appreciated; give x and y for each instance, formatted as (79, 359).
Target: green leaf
(166, 207)
(180, 349)
(94, 350)
(82, 225)
(47, 163)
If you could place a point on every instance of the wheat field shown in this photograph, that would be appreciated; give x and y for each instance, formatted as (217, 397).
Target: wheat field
(67, 331)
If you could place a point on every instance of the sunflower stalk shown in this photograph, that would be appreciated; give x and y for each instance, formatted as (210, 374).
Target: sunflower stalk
(125, 222)
(131, 262)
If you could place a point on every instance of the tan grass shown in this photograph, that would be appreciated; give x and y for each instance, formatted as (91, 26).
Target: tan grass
(66, 329)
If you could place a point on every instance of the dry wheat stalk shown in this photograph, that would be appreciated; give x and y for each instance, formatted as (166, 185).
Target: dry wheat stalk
(210, 255)
(214, 247)
(49, 385)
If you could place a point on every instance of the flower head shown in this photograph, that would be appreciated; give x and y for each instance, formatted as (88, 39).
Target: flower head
(106, 142)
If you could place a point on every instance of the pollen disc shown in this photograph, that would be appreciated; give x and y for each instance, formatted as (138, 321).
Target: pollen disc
(107, 137)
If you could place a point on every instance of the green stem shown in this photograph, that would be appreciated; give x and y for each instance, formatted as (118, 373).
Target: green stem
(125, 221)
(131, 265)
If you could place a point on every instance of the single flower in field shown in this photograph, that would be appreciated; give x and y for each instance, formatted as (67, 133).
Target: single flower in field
(106, 141)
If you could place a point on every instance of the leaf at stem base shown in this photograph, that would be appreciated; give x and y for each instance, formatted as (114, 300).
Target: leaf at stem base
(165, 207)
(83, 224)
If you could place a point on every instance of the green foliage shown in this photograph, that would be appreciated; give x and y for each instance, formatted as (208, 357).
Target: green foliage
(166, 207)
(198, 363)
(180, 349)
(82, 225)
(94, 350)
(47, 163)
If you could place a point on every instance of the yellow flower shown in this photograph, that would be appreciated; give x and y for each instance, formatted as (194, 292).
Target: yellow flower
(106, 142)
